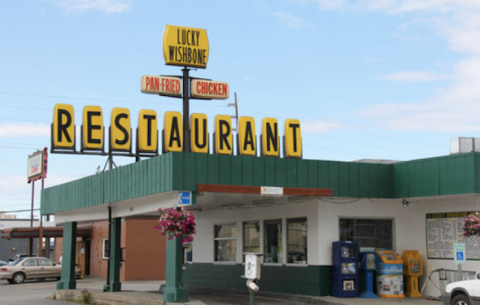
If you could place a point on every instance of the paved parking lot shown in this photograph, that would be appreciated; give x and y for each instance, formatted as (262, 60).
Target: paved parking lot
(41, 292)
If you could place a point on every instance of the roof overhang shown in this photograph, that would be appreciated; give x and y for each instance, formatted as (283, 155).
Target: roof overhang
(34, 232)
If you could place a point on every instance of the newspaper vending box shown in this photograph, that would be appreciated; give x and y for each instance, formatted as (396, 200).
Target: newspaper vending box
(389, 274)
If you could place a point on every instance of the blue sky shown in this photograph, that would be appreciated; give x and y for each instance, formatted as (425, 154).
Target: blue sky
(368, 79)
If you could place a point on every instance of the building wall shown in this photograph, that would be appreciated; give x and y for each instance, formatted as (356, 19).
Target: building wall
(409, 228)
(8, 248)
(144, 250)
(98, 265)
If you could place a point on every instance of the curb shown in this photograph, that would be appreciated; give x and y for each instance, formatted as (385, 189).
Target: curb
(107, 298)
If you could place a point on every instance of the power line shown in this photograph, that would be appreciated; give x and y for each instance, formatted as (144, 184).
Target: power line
(19, 211)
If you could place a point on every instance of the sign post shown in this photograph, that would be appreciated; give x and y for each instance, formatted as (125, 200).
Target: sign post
(252, 273)
(459, 257)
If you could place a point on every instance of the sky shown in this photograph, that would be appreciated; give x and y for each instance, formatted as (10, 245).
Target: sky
(368, 79)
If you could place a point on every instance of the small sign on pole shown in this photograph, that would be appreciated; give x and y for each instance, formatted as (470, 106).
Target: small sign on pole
(459, 257)
(459, 253)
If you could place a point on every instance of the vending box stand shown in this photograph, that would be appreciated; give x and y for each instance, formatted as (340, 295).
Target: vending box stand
(345, 269)
(367, 267)
(389, 274)
(412, 269)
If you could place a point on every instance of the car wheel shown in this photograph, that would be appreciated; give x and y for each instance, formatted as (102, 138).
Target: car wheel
(460, 299)
(18, 278)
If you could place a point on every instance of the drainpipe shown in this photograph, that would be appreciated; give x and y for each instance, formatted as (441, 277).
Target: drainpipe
(107, 285)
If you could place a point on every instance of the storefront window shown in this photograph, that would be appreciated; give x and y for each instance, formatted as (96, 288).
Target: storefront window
(225, 242)
(106, 249)
(187, 252)
(273, 241)
(297, 241)
(251, 237)
(372, 233)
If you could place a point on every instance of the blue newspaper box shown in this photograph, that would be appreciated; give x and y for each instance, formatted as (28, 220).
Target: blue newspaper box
(367, 267)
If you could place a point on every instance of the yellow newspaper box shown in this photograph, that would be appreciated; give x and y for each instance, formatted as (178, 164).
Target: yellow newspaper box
(412, 269)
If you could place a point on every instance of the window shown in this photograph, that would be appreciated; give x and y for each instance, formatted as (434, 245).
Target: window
(45, 262)
(225, 242)
(373, 233)
(273, 241)
(297, 241)
(106, 249)
(31, 262)
(251, 237)
(187, 252)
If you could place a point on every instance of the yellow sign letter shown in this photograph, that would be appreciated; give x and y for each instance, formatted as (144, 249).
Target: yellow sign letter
(92, 128)
(63, 132)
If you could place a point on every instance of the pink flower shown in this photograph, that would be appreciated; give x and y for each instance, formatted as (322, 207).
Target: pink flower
(176, 222)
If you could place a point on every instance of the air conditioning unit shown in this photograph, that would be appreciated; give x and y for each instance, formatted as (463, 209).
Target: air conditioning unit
(464, 145)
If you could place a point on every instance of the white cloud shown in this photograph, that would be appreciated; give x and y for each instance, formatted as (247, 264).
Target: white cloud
(457, 107)
(106, 6)
(292, 21)
(414, 76)
(15, 130)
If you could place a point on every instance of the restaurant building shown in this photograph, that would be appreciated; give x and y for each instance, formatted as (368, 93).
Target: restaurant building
(289, 209)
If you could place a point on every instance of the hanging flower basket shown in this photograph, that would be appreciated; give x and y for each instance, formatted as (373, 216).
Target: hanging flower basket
(176, 223)
(471, 225)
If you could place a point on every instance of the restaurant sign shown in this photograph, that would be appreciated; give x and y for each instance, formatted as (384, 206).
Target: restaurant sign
(186, 47)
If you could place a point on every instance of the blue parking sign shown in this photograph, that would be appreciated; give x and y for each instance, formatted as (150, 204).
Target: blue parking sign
(459, 253)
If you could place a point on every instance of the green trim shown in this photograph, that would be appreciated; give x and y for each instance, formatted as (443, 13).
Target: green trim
(304, 280)
(67, 280)
(174, 290)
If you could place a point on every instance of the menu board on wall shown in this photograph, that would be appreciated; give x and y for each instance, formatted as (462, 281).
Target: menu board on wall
(445, 229)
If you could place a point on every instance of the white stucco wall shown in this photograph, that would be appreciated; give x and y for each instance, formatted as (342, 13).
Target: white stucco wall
(409, 226)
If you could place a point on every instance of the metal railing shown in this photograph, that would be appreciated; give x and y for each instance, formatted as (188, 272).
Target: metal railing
(445, 277)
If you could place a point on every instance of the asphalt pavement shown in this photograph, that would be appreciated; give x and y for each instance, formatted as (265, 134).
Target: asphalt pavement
(147, 293)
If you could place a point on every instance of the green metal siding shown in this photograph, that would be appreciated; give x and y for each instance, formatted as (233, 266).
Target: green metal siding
(456, 174)
(450, 175)
(183, 171)
(309, 280)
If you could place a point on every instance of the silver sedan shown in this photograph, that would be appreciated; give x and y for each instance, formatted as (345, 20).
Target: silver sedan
(31, 268)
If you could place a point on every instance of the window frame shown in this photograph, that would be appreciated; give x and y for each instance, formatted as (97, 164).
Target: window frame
(215, 239)
(105, 245)
(260, 237)
(283, 242)
(287, 242)
(391, 223)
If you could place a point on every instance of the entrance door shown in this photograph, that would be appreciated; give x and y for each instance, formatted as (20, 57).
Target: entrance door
(81, 256)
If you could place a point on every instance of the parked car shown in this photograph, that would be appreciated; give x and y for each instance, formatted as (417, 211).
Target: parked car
(462, 292)
(32, 268)
(3, 263)
(18, 256)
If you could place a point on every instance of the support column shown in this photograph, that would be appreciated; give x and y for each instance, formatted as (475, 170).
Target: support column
(68, 256)
(115, 256)
(174, 290)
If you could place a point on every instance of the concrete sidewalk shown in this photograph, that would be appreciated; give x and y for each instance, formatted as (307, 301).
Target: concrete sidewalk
(147, 293)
